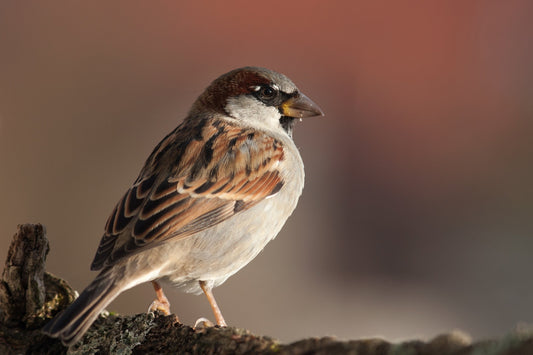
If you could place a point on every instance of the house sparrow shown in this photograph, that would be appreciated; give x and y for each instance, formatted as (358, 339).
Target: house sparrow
(209, 198)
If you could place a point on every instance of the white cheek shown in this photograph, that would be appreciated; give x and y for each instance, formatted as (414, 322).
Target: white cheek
(248, 109)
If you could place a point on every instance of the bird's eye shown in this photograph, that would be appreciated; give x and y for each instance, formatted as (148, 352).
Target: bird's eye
(267, 93)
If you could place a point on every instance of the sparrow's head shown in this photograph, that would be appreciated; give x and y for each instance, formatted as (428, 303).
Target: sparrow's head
(257, 97)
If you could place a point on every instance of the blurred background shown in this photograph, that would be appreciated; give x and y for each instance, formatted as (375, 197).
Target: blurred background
(416, 216)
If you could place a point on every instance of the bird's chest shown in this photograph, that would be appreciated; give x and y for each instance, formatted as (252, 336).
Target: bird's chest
(220, 251)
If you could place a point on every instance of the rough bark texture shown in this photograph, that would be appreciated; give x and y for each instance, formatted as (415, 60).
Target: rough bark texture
(29, 297)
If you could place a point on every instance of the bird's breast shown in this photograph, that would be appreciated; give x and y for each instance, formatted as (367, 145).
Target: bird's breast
(218, 252)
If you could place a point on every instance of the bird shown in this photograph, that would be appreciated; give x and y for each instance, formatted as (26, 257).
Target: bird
(208, 199)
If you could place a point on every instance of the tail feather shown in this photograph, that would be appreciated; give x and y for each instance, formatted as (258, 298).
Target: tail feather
(73, 322)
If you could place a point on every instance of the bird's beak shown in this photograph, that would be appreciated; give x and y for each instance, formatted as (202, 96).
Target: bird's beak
(300, 106)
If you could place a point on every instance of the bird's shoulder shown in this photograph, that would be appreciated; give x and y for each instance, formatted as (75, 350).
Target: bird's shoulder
(199, 175)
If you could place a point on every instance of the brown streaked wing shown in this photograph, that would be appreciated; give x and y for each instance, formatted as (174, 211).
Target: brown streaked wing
(235, 169)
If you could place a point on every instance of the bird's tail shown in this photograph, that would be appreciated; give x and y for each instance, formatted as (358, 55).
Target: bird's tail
(73, 322)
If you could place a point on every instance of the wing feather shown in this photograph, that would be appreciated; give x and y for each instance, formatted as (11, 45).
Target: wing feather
(187, 186)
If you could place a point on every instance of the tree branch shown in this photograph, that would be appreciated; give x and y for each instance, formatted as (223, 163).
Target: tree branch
(29, 297)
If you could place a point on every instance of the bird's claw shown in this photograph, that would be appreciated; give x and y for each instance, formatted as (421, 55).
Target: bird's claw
(203, 323)
(163, 307)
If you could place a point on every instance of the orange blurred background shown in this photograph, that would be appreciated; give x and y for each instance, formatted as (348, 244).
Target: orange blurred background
(416, 216)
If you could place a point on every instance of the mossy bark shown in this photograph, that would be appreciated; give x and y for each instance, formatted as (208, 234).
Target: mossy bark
(29, 297)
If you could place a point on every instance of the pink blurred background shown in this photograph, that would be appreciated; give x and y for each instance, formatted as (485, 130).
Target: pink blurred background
(416, 216)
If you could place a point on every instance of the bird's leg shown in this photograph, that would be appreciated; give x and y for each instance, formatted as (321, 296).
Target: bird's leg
(209, 294)
(161, 303)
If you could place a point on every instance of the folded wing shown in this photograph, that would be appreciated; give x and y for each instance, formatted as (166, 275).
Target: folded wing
(205, 181)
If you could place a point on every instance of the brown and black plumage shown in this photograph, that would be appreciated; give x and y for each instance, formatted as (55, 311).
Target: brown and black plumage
(210, 196)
